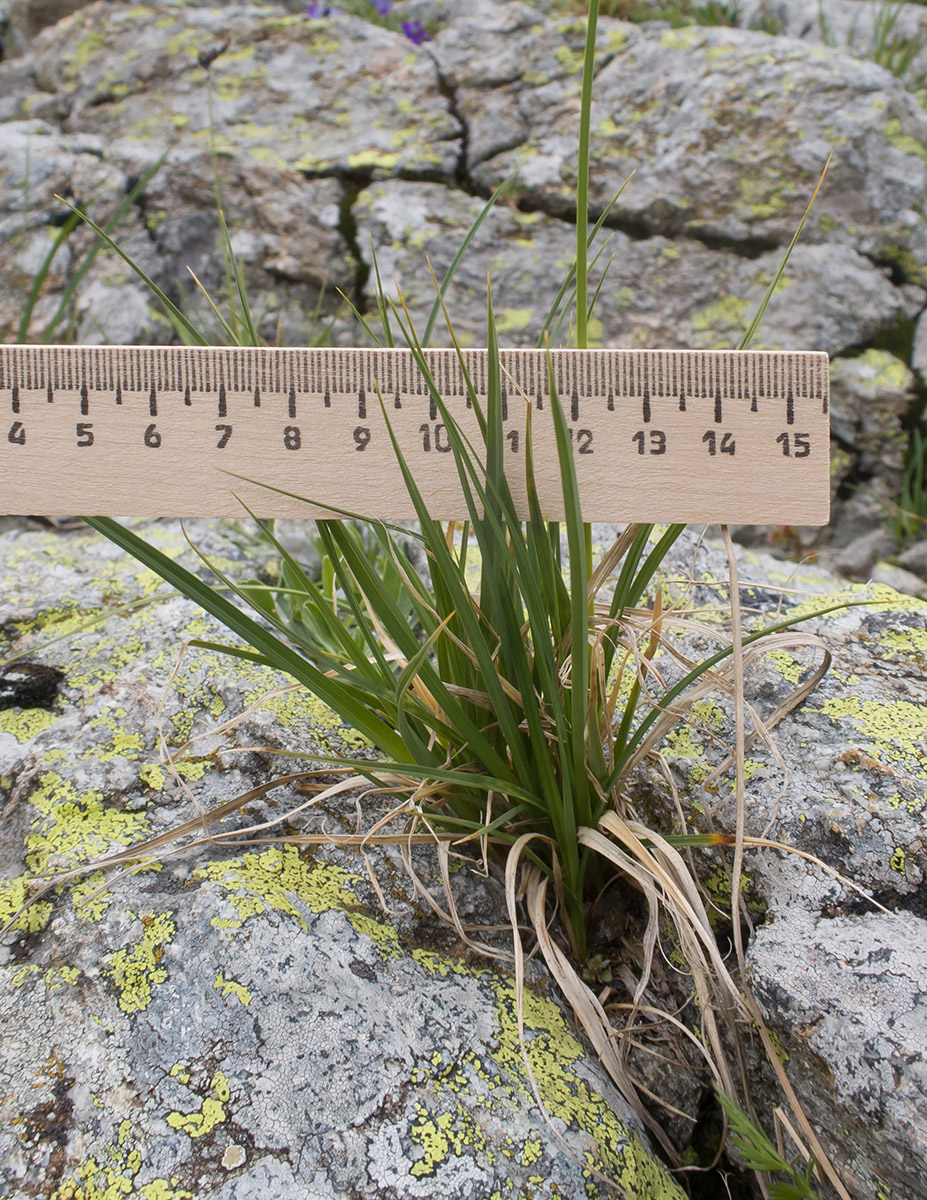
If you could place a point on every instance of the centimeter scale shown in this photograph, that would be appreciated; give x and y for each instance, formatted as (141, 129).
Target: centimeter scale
(657, 435)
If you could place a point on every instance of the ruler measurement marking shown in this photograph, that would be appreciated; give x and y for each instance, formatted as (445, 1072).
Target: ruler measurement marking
(675, 390)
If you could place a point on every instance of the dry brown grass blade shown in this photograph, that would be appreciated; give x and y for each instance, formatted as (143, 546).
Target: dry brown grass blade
(533, 888)
(666, 866)
(609, 561)
(586, 1007)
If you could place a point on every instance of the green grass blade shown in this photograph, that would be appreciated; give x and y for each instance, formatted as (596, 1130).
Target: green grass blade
(25, 319)
(582, 176)
(571, 273)
(76, 277)
(503, 189)
(579, 606)
(382, 303)
(177, 317)
(283, 657)
(754, 325)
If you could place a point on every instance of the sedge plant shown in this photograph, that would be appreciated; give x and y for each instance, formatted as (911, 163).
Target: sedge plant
(507, 713)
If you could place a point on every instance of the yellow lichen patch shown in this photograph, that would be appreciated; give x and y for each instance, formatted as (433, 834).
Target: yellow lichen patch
(513, 318)
(383, 936)
(22, 973)
(372, 158)
(25, 723)
(156, 776)
(203, 1120)
(788, 666)
(90, 896)
(13, 895)
(435, 963)
(678, 39)
(75, 826)
(681, 745)
(296, 706)
(135, 969)
(465, 1083)
(726, 315)
(898, 729)
(898, 861)
(229, 987)
(907, 645)
(115, 1173)
(443, 1135)
(258, 883)
(870, 593)
(123, 744)
(57, 977)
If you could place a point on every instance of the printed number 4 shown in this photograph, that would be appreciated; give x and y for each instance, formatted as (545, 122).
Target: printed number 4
(727, 446)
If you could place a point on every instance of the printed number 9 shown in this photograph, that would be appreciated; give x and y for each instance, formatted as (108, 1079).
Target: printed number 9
(361, 437)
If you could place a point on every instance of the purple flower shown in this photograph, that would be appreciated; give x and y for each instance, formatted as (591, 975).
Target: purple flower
(382, 6)
(317, 9)
(415, 32)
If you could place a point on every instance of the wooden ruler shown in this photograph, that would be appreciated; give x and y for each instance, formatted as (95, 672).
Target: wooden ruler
(658, 435)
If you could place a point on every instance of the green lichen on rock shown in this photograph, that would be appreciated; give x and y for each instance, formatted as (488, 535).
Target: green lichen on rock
(896, 729)
(25, 723)
(466, 1084)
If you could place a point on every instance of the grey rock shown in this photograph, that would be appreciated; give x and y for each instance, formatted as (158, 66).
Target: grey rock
(873, 397)
(846, 785)
(329, 131)
(915, 559)
(682, 107)
(849, 992)
(860, 556)
(919, 350)
(211, 1001)
(899, 579)
(657, 292)
(898, 33)
(26, 18)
